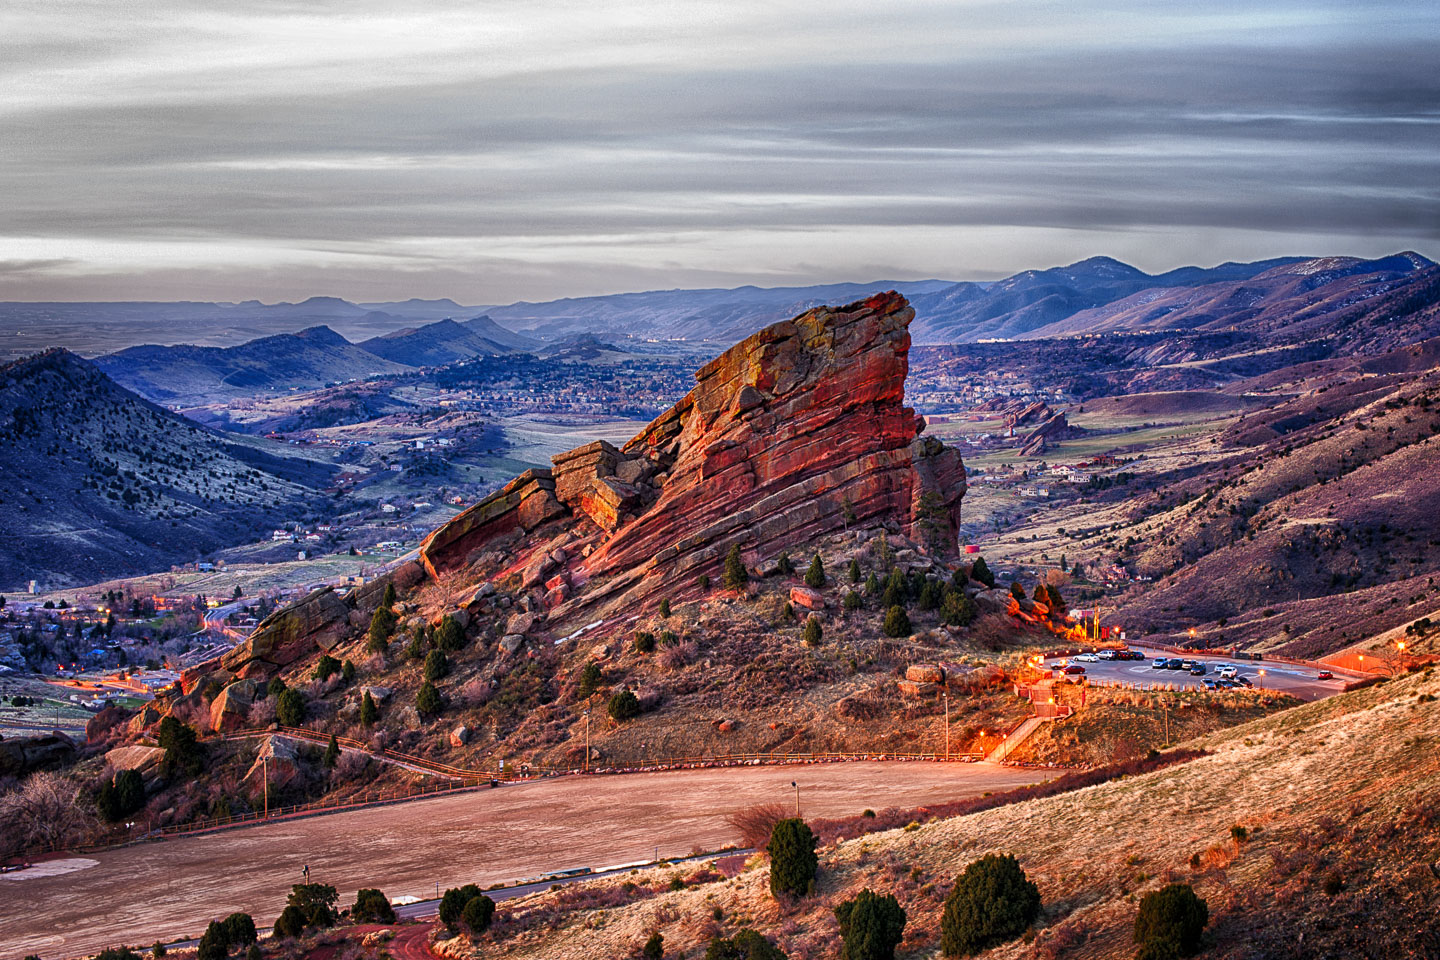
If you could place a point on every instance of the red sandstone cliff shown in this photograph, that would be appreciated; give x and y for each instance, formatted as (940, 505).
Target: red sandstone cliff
(795, 432)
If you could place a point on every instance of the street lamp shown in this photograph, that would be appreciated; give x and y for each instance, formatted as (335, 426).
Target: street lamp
(947, 725)
(587, 739)
(797, 797)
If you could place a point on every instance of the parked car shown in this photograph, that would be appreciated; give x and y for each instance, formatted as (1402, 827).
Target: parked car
(1108, 655)
(1132, 655)
(1088, 657)
(1227, 670)
(1211, 683)
(1198, 670)
(1174, 663)
(1225, 683)
(1186, 664)
(1243, 682)
(1074, 668)
(1324, 675)
(1159, 663)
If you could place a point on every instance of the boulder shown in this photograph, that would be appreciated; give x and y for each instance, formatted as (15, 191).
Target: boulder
(318, 622)
(277, 754)
(378, 694)
(136, 757)
(22, 756)
(925, 673)
(521, 623)
(807, 598)
(511, 642)
(145, 718)
(460, 736)
(230, 709)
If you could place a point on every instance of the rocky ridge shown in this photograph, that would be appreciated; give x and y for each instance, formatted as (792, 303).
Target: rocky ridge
(796, 432)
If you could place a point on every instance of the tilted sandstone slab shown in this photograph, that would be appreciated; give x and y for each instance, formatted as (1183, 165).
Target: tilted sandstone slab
(796, 432)
(517, 508)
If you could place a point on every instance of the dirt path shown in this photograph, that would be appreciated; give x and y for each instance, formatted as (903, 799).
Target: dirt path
(171, 889)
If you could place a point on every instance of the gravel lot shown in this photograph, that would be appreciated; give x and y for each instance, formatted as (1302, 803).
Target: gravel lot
(173, 888)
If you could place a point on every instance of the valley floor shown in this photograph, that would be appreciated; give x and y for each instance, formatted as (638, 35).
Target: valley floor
(173, 888)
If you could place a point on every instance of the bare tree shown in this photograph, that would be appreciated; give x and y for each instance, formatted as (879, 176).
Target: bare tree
(42, 813)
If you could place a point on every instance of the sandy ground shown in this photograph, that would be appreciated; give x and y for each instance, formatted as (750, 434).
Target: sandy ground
(173, 888)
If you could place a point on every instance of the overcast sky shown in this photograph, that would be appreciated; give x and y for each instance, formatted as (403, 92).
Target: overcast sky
(500, 150)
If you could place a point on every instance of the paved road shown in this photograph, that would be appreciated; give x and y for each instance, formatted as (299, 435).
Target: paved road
(172, 888)
(1297, 681)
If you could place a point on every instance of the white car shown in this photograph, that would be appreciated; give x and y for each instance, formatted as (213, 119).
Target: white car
(1227, 671)
(1087, 658)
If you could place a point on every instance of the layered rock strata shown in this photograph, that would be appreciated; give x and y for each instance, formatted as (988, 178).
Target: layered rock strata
(798, 431)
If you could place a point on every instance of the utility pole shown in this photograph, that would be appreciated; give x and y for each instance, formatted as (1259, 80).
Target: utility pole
(265, 775)
(797, 797)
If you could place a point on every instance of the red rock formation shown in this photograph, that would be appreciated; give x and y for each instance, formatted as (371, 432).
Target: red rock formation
(795, 432)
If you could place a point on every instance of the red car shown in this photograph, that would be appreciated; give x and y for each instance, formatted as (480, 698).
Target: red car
(1324, 675)
(1074, 668)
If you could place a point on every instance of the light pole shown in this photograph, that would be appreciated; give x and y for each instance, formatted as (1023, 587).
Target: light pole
(797, 797)
(587, 739)
(265, 776)
(947, 725)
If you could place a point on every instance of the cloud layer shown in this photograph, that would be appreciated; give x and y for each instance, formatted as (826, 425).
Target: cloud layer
(497, 151)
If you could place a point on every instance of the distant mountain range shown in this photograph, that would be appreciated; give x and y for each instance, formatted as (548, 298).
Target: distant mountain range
(1349, 303)
(189, 375)
(97, 482)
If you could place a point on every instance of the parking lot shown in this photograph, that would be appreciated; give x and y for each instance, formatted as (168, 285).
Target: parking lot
(1297, 681)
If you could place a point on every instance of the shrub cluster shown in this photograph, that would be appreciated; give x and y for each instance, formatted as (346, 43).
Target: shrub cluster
(466, 905)
(992, 902)
(372, 906)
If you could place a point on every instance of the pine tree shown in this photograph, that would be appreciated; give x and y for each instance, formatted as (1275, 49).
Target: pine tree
(871, 926)
(812, 631)
(897, 592)
(369, 713)
(815, 576)
(854, 571)
(427, 701)
(332, 753)
(980, 573)
(897, 623)
(784, 565)
(736, 576)
(792, 858)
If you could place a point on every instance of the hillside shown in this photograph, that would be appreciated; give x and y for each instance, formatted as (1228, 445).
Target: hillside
(446, 341)
(1361, 306)
(1338, 801)
(794, 441)
(96, 482)
(191, 376)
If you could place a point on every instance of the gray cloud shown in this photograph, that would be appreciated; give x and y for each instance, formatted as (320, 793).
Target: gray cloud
(535, 151)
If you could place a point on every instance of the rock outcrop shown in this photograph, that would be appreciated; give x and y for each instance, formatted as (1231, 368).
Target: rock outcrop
(796, 432)
(318, 622)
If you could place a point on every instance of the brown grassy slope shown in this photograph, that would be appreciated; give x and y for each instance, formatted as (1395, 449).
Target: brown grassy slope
(1343, 791)
(738, 679)
(1333, 504)
(1117, 725)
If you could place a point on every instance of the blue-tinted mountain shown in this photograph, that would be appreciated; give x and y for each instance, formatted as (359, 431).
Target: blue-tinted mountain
(189, 376)
(96, 482)
(446, 341)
